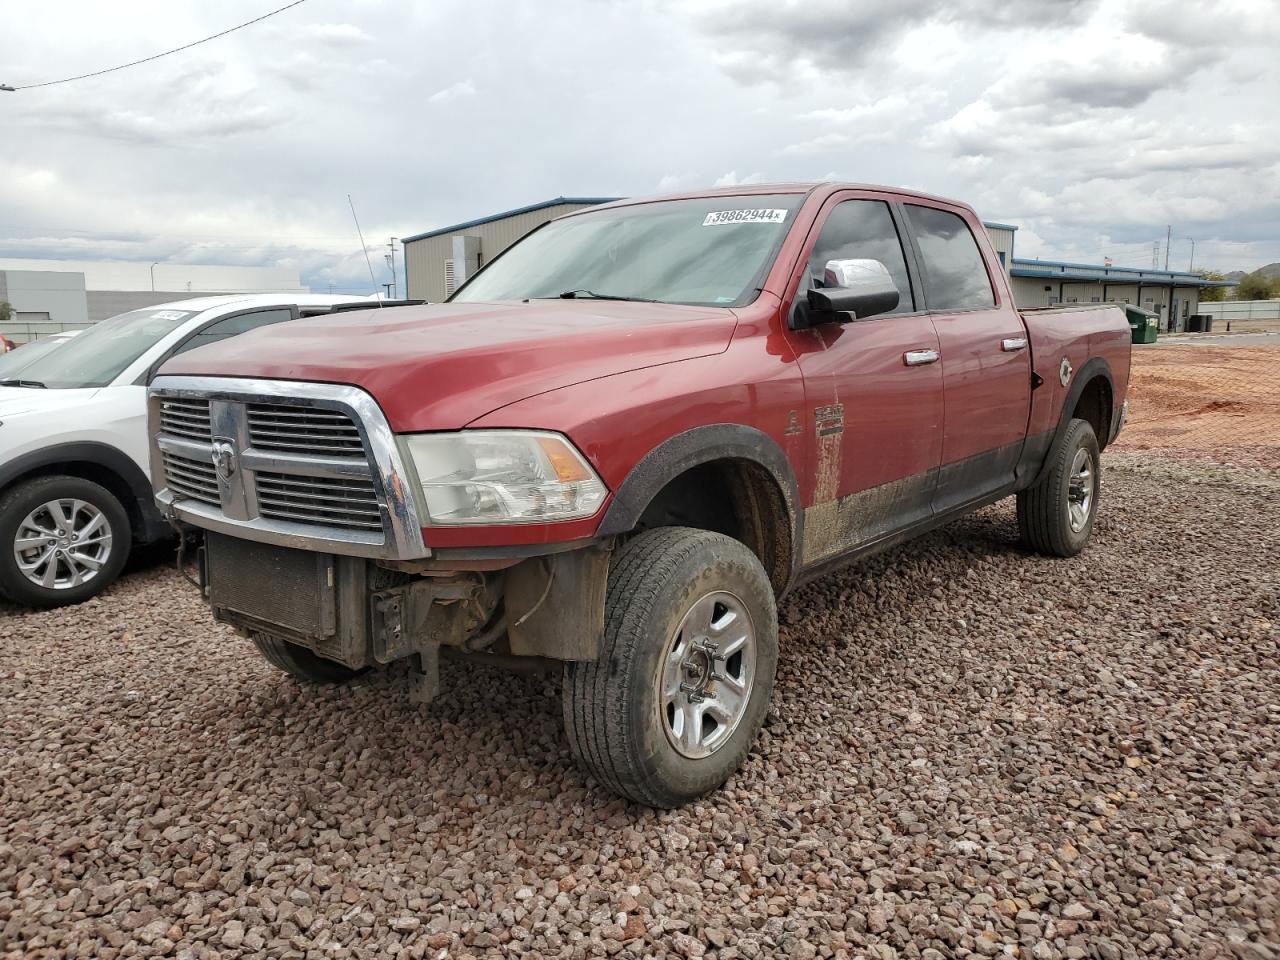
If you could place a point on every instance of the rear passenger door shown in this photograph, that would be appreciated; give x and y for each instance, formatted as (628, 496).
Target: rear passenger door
(986, 362)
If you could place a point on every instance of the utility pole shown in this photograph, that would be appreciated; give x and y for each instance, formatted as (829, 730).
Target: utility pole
(1168, 238)
(391, 262)
(1191, 264)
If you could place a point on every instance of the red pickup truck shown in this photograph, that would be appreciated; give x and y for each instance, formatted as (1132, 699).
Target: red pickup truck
(621, 441)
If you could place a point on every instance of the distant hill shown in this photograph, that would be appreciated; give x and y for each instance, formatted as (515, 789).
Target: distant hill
(1271, 271)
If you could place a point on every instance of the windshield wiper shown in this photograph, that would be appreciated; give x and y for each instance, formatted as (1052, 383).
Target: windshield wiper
(592, 295)
(15, 382)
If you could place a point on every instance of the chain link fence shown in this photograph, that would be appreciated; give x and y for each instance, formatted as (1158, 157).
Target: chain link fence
(1216, 403)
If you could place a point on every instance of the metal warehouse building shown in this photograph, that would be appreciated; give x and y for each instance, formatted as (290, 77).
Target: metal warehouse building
(437, 262)
(1172, 294)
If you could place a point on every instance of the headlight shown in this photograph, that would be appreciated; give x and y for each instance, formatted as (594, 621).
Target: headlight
(508, 476)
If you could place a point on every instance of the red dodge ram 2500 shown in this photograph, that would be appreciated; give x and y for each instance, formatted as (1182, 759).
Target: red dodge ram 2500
(621, 440)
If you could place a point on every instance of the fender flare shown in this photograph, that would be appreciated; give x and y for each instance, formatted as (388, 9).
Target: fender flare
(151, 525)
(682, 452)
(1093, 368)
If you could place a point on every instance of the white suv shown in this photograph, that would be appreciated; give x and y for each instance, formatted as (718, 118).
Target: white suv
(75, 493)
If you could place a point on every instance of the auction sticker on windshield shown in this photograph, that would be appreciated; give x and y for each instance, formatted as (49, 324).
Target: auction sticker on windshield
(169, 315)
(718, 217)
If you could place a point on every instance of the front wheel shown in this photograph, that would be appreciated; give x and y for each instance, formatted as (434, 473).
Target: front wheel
(300, 663)
(673, 703)
(1056, 515)
(62, 540)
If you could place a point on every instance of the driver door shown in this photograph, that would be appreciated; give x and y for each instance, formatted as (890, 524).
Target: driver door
(873, 392)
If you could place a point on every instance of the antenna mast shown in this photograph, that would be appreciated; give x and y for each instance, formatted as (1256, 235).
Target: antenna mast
(367, 262)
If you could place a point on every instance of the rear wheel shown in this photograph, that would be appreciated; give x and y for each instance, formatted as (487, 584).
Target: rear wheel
(301, 664)
(1056, 515)
(672, 705)
(62, 540)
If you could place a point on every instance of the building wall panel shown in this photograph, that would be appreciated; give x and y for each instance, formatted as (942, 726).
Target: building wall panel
(425, 259)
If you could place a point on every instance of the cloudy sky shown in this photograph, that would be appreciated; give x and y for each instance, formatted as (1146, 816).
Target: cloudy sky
(1091, 125)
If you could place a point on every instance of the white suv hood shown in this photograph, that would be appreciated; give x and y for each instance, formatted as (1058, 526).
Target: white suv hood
(26, 400)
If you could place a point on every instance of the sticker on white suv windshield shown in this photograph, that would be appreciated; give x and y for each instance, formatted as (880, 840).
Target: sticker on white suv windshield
(718, 217)
(170, 314)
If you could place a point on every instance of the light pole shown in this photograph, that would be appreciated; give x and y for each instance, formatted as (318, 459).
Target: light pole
(1191, 264)
(153, 275)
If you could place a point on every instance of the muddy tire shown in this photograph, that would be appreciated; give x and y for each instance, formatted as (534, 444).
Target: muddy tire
(672, 705)
(301, 664)
(1055, 517)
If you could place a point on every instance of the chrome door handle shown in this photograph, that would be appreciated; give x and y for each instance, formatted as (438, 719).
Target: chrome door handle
(1010, 344)
(918, 358)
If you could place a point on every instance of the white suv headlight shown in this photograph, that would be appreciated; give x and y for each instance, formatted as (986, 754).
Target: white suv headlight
(503, 476)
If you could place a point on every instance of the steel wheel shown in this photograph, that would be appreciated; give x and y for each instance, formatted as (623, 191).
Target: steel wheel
(1080, 490)
(62, 544)
(705, 678)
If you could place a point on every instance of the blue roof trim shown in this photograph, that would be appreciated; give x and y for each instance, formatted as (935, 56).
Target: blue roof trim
(558, 201)
(1050, 270)
(993, 225)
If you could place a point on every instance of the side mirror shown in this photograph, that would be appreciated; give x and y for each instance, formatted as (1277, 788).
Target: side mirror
(863, 288)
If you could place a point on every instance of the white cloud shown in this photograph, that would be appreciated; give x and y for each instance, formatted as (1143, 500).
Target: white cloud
(731, 179)
(338, 34)
(1090, 126)
(463, 88)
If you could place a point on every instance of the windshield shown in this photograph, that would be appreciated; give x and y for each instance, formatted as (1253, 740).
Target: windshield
(710, 251)
(99, 354)
(13, 362)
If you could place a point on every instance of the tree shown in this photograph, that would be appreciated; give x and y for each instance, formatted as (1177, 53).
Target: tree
(1255, 286)
(6, 312)
(1212, 294)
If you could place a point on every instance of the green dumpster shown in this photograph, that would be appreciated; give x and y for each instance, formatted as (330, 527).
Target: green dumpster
(1144, 325)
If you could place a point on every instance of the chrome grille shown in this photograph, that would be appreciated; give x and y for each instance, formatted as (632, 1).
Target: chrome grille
(329, 433)
(305, 465)
(326, 501)
(186, 418)
(191, 478)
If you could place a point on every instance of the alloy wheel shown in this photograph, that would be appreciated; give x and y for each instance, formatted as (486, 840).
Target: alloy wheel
(704, 681)
(62, 543)
(1081, 490)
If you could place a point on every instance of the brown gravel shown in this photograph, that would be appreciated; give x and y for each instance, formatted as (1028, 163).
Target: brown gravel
(974, 751)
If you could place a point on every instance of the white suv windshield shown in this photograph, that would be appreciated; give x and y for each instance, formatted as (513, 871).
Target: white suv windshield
(100, 354)
(710, 251)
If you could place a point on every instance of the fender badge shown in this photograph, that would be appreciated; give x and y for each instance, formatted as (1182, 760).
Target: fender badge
(1064, 371)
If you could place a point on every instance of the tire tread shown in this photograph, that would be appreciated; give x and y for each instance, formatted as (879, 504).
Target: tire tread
(597, 697)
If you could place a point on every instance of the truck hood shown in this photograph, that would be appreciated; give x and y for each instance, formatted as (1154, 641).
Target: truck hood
(440, 366)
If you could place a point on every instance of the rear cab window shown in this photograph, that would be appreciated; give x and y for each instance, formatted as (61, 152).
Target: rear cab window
(953, 271)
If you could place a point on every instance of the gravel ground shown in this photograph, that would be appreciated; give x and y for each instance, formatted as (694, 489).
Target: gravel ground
(973, 752)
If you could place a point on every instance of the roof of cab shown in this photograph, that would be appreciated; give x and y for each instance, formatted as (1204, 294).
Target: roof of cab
(824, 187)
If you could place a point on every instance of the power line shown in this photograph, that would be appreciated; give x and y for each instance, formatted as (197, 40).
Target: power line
(185, 46)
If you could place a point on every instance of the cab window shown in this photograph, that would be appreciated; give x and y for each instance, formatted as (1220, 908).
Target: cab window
(862, 230)
(955, 276)
(233, 326)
